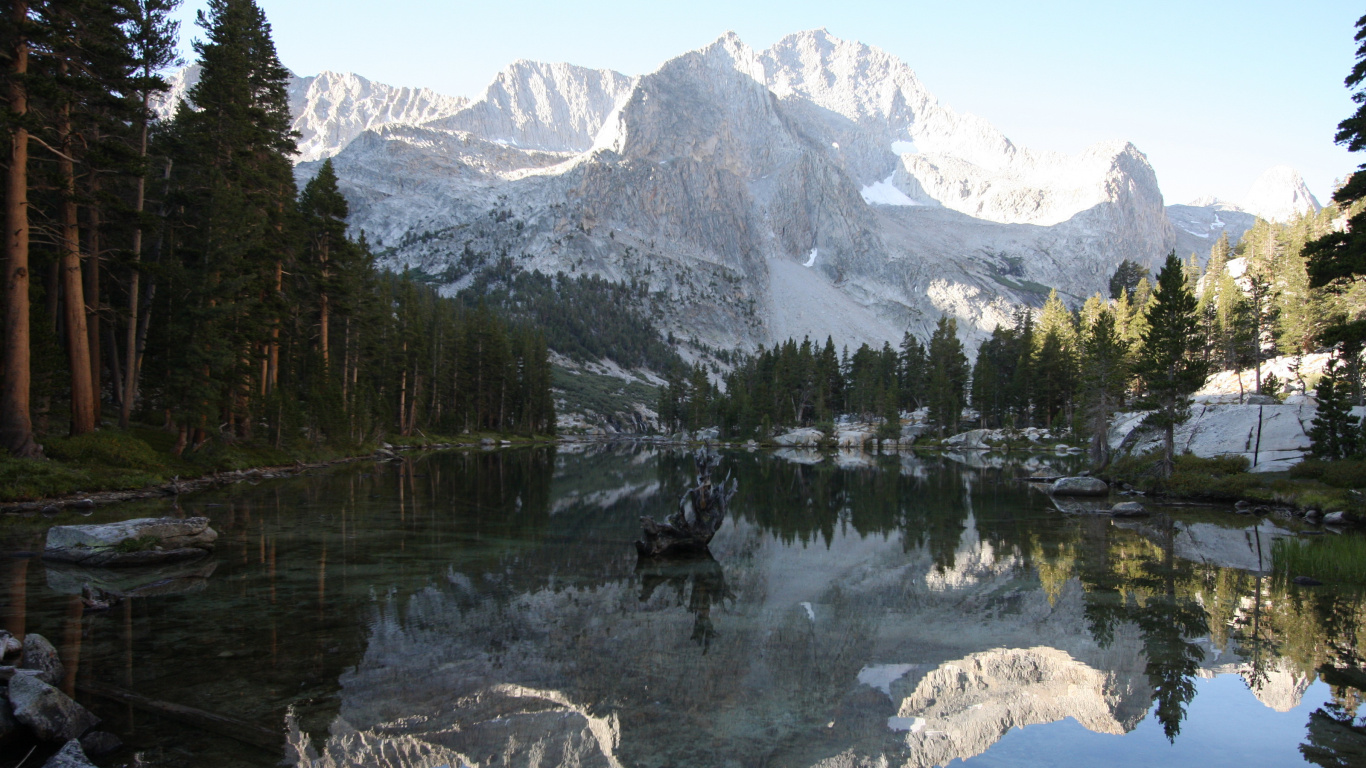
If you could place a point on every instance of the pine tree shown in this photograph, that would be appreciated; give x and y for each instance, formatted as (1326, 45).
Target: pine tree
(1169, 364)
(1104, 377)
(152, 35)
(1339, 256)
(1333, 433)
(948, 375)
(1126, 278)
(16, 425)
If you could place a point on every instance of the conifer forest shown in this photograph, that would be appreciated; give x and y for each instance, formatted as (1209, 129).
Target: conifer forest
(169, 272)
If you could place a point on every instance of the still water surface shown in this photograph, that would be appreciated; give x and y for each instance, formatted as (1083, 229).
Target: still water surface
(487, 609)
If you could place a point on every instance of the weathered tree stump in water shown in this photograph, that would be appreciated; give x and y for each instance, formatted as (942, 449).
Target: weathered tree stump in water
(700, 513)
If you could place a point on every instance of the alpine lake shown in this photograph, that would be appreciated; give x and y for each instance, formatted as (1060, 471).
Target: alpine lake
(487, 608)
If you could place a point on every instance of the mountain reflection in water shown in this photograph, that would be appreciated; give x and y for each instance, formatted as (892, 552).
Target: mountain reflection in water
(487, 608)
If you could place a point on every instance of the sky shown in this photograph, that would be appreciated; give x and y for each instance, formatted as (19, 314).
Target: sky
(1213, 91)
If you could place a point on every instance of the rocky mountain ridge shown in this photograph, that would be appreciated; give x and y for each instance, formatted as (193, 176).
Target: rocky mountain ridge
(814, 188)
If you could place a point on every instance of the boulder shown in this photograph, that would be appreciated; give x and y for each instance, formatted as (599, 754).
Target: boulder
(10, 646)
(1339, 518)
(70, 756)
(804, 437)
(98, 743)
(853, 438)
(145, 541)
(1080, 486)
(1129, 509)
(41, 656)
(973, 439)
(49, 713)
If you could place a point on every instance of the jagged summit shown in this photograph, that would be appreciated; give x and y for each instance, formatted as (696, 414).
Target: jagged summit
(1280, 194)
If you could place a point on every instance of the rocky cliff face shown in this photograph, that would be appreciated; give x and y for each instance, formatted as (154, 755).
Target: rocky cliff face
(333, 108)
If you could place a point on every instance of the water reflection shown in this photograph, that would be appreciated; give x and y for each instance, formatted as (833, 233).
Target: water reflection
(487, 608)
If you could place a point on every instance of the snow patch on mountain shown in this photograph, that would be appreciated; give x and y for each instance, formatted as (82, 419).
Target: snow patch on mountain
(885, 193)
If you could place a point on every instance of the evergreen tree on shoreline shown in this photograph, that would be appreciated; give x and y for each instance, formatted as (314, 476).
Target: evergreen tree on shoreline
(1169, 363)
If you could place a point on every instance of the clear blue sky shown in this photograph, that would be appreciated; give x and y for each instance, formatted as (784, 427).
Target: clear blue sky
(1214, 91)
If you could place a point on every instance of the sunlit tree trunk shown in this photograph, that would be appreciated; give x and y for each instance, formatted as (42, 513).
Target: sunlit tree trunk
(77, 340)
(16, 427)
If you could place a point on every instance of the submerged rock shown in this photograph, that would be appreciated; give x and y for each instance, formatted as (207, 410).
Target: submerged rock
(49, 713)
(1129, 509)
(1307, 581)
(99, 743)
(145, 541)
(1080, 486)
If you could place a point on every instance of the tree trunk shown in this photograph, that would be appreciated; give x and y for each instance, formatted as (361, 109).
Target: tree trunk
(130, 381)
(73, 292)
(16, 426)
(91, 281)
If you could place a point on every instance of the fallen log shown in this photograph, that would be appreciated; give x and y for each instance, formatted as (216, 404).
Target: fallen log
(700, 513)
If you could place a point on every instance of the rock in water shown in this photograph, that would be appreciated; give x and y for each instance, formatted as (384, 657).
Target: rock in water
(144, 541)
(49, 713)
(1307, 581)
(1339, 518)
(700, 513)
(70, 756)
(1129, 509)
(40, 655)
(1080, 486)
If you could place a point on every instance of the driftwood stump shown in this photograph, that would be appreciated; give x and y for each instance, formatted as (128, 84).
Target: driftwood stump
(700, 512)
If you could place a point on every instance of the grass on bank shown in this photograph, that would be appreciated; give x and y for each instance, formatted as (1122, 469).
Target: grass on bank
(1340, 559)
(1325, 486)
(117, 460)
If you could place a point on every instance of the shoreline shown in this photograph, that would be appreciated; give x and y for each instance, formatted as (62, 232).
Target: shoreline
(89, 499)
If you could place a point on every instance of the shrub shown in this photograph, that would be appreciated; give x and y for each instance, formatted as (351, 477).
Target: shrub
(105, 448)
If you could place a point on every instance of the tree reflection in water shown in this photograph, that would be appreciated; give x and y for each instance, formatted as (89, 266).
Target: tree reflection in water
(1130, 581)
(697, 581)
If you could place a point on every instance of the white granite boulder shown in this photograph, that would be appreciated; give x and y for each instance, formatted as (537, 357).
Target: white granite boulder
(145, 541)
(1079, 486)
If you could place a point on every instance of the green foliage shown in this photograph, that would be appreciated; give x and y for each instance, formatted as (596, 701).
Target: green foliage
(598, 393)
(1219, 478)
(948, 377)
(1169, 364)
(585, 318)
(1126, 278)
(1349, 473)
(107, 448)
